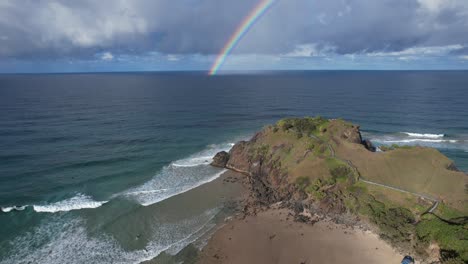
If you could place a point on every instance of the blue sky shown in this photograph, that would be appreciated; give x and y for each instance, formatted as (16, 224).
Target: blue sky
(167, 35)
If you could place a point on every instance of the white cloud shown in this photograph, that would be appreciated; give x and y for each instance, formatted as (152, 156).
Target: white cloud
(433, 5)
(57, 24)
(419, 51)
(407, 58)
(172, 57)
(107, 56)
(464, 57)
(309, 50)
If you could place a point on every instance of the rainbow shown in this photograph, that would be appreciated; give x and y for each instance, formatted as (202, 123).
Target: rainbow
(254, 15)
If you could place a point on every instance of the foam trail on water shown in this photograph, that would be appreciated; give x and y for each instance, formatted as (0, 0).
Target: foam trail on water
(420, 140)
(439, 141)
(80, 201)
(410, 134)
(149, 197)
(179, 176)
(13, 208)
(66, 240)
(7, 209)
(193, 162)
(204, 157)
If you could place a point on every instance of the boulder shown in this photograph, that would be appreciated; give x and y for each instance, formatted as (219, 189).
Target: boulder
(220, 159)
(368, 144)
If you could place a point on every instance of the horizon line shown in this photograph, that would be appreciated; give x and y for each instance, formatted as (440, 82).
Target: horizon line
(223, 72)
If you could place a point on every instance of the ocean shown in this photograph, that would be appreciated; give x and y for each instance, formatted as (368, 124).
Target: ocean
(104, 168)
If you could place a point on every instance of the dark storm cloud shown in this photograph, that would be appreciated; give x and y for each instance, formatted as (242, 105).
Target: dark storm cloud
(36, 29)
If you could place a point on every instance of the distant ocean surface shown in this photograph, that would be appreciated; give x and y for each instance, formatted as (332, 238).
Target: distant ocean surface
(91, 164)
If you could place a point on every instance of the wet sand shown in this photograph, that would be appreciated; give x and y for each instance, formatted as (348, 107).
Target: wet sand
(274, 237)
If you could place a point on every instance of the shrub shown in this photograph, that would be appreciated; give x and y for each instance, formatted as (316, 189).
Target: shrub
(302, 182)
(341, 171)
(302, 126)
(451, 238)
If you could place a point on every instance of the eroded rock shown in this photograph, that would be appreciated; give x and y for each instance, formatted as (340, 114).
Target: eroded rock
(220, 159)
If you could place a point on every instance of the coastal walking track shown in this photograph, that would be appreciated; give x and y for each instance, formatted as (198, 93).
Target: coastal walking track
(333, 155)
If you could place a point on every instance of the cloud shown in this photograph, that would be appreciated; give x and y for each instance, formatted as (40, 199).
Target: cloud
(420, 51)
(107, 56)
(464, 57)
(302, 28)
(310, 50)
(172, 57)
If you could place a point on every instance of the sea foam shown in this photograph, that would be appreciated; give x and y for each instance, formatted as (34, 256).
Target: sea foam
(146, 196)
(68, 241)
(203, 157)
(418, 135)
(420, 140)
(13, 208)
(179, 176)
(80, 201)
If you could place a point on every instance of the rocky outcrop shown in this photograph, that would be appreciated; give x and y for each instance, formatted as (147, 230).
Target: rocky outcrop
(452, 167)
(238, 158)
(352, 134)
(369, 146)
(220, 159)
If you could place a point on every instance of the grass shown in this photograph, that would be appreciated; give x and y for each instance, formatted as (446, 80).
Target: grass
(396, 221)
(416, 169)
(395, 146)
(452, 238)
(447, 212)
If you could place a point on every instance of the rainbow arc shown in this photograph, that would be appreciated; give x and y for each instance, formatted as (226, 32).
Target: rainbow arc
(255, 14)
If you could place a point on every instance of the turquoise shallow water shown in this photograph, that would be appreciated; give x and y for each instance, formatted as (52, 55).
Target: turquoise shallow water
(95, 157)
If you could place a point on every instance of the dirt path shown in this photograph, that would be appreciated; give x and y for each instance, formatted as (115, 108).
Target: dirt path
(333, 155)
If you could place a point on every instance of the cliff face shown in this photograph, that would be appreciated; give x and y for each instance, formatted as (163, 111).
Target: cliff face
(267, 179)
(325, 165)
(276, 156)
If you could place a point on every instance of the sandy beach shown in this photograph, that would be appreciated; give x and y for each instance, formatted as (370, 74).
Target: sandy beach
(272, 236)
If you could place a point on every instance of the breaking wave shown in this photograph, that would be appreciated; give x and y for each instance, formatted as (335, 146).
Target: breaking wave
(80, 201)
(13, 208)
(421, 140)
(417, 135)
(149, 193)
(440, 141)
(65, 240)
(179, 176)
(204, 157)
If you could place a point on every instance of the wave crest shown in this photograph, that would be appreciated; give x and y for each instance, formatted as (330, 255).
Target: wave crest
(421, 140)
(13, 208)
(80, 201)
(418, 135)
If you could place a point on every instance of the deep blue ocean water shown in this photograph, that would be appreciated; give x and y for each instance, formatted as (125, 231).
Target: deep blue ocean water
(88, 154)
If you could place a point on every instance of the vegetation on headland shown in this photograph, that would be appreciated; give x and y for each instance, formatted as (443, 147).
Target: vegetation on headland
(324, 160)
(394, 146)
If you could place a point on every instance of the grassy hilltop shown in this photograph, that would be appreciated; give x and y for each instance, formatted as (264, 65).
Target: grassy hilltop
(326, 163)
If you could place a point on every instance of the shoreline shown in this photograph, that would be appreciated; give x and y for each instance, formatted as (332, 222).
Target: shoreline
(279, 234)
(274, 236)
